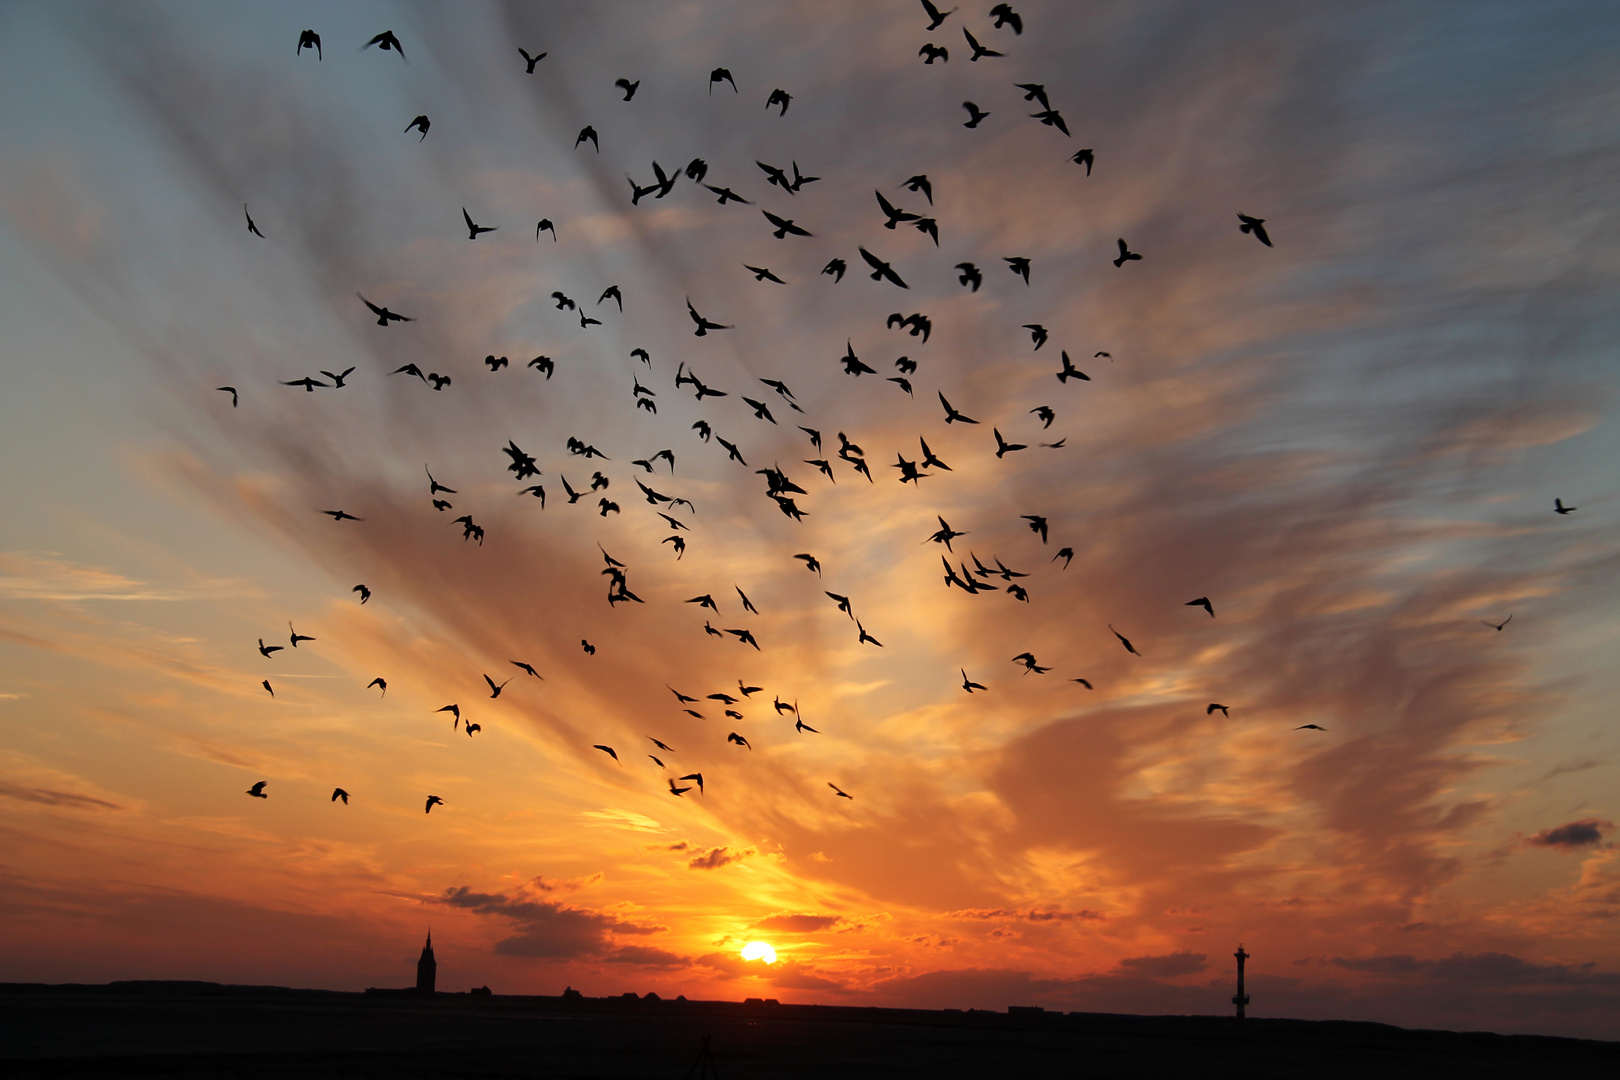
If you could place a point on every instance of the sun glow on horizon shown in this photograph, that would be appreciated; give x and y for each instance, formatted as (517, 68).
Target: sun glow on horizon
(758, 950)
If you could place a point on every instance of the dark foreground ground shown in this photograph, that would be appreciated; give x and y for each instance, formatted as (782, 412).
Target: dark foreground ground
(202, 1029)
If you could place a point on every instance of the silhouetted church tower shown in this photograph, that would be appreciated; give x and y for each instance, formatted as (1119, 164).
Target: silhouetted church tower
(427, 968)
(1240, 999)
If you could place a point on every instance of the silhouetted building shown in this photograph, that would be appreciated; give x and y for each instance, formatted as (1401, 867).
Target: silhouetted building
(1240, 999)
(427, 969)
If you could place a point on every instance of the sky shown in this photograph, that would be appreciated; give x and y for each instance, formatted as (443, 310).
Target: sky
(1350, 442)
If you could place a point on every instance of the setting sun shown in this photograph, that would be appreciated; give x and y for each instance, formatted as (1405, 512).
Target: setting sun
(758, 950)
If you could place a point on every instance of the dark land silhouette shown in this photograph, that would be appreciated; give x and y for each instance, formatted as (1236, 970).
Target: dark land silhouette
(197, 1029)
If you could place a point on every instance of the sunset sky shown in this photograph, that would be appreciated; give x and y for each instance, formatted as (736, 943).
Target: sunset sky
(1350, 442)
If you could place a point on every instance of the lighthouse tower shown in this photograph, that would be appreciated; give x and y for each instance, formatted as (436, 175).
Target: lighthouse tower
(1240, 999)
(427, 968)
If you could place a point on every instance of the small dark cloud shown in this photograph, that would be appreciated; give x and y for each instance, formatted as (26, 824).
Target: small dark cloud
(796, 924)
(716, 857)
(1167, 966)
(47, 797)
(1023, 914)
(547, 929)
(1574, 835)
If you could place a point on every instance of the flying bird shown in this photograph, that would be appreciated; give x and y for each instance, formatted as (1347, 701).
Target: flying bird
(257, 790)
(703, 325)
(673, 790)
(297, 637)
(1018, 265)
(866, 638)
(1034, 92)
(975, 114)
(339, 793)
(697, 777)
(1125, 641)
(1203, 602)
(1312, 727)
(738, 740)
(920, 183)
(881, 269)
(970, 275)
(978, 50)
(251, 227)
(812, 564)
(1498, 626)
(432, 801)
(1071, 372)
(628, 87)
(839, 791)
(784, 226)
(1560, 508)
(309, 39)
(1037, 525)
(608, 750)
(931, 52)
(889, 211)
(309, 384)
(1046, 415)
(1066, 554)
(720, 74)
(952, 415)
(1209, 710)
(385, 41)
(266, 650)
(421, 123)
(588, 132)
(267, 689)
(969, 685)
(545, 224)
(935, 16)
(231, 390)
(1006, 16)
(384, 317)
(365, 593)
(1126, 254)
(779, 97)
(1004, 447)
(1085, 157)
(494, 690)
(612, 293)
(530, 60)
(1254, 225)
(1051, 118)
(380, 683)
(762, 273)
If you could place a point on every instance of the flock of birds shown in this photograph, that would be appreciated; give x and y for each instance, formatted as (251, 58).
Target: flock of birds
(780, 488)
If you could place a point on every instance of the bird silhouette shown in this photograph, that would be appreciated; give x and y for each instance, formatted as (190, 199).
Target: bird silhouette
(1500, 625)
(697, 778)
(309, 39)
(545, 224)
(1126, 254)
(1254, 225)
(880, 269)
(267, 688)
(935, 16)
(738, 740)
(1051, 118)
(297, 637)
(384, 317)
(231, 390)
(1125, 641)
(1066, 554)
(266, 650)
(969, 685)
(1560, 508)
(381, 684)
(1006, 16)
(257, 790)
(421, 123)
(588, 132)
(365, 593)
(608, 750)
(530, 61)
(1085, 157)
(1003, 447)
(251, 227)
(432, 801)
(1034, 92)
(721, 74)
(628, 87)
(1018, 265)
(385, 41)
(812, 564)
(784, 226)
(978, 50)
(931, 52)
(975, 114)
(842, 794)
(746, 637)
(453, 710)
(309, 384)
(703, 326)
(1209, 710)
(1071, 372)
(673, 790)
(1203, 602)
(762, 273)
(952, 416)
(494, 689)
(1037, 525)
(779, 97)
(1310, 727)
(339, 793)
(865, 638)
